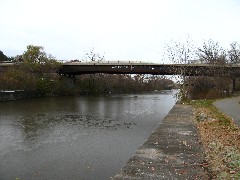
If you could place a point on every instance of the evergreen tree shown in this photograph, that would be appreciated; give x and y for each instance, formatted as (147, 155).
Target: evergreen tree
(3, 57)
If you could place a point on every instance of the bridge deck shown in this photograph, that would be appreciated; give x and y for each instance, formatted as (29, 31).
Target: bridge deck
(130, 67)
(140, 63)
(77, 68)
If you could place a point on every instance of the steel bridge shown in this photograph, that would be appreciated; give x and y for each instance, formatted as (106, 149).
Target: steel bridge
(120, 67)
(72, 69)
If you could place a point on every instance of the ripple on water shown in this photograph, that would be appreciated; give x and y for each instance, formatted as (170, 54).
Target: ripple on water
(49, 128)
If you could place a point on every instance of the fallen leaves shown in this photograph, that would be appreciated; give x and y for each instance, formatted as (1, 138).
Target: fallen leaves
(221, 141)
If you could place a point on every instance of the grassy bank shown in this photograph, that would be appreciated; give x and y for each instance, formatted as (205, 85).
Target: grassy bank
(220, 138)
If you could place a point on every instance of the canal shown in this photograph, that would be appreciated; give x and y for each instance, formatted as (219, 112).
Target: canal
(83, 137)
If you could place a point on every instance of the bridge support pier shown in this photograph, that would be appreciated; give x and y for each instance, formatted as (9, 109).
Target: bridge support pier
(234, 85)
(71, 81)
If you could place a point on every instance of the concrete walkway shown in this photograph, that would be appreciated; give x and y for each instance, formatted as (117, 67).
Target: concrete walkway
(171, 152)
(230, 107)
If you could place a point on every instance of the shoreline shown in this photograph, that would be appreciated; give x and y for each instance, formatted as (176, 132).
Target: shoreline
(13, 95)
(172, 151)
(16, 95)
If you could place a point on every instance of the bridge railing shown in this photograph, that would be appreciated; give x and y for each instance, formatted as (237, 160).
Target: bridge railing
(105, 62)
(6, 63)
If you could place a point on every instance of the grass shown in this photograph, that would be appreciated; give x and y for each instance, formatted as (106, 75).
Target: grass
(220, 138)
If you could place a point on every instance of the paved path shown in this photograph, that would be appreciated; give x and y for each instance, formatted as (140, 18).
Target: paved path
(230, 107)
(171, 152)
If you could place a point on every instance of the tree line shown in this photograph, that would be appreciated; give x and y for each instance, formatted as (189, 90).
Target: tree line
(36, 70)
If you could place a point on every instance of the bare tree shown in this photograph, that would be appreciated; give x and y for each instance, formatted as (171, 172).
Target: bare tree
(210, 87)
(234, 53)
(94, 56)
(212, 53)
(181, 52)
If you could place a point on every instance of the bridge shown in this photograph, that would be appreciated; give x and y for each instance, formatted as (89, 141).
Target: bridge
(119, 67)
(72, 69)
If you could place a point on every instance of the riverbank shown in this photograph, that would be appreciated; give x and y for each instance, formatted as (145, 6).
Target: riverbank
(15, 95)
(176, 155)
(220, 137)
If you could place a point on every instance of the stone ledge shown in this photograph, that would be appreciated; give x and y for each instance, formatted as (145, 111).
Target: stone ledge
(172, 151)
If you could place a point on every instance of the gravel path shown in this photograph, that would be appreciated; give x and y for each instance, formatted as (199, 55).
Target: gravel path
(230, 107)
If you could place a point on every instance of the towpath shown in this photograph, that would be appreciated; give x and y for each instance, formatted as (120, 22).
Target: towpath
(230, 107)
(172, 151)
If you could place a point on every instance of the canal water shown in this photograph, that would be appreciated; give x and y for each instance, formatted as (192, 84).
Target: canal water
(78, 138)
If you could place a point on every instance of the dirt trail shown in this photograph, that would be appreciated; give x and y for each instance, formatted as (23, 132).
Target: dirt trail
(230, 107)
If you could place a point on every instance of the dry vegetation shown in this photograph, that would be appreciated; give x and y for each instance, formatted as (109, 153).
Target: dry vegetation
(221, 140)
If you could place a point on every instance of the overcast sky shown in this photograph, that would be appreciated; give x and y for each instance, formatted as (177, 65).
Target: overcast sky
(122, 29)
